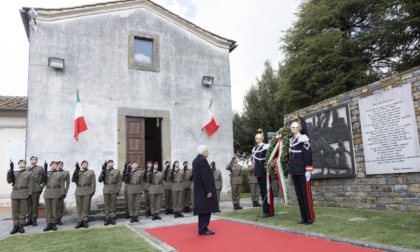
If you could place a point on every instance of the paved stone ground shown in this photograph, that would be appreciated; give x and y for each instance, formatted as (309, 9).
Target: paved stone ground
(169, 220)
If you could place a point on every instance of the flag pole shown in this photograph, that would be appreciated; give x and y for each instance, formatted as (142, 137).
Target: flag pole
(211, 102)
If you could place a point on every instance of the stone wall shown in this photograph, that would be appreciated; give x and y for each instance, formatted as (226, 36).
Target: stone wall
(396, 192)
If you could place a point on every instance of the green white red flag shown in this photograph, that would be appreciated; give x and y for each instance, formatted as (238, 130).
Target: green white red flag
(79, 120)
(210, 124)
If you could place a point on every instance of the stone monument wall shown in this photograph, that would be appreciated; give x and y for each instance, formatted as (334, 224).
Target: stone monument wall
(386, 175)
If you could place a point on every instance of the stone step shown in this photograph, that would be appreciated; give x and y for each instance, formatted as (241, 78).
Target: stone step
(120, 215)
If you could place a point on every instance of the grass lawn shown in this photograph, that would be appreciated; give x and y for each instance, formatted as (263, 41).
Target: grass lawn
(92, 239)
(390, 228)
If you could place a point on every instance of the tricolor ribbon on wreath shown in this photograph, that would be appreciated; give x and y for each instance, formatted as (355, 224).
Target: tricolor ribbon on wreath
(277, 152)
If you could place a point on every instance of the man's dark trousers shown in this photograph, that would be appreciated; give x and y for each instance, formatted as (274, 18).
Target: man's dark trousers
(203, 222)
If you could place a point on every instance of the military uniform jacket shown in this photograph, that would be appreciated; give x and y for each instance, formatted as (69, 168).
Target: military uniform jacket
(217, 174)
(258, 155)
(177, 181)
(66, 175)
(156, 185)
(112, 181)
(187, 178)
(136, 182)
(300, 155)
(146, 177)
(236, 173)
(55, 185)
(38, 179)
(252, 178)
(86, 183)
(23, 185)
(167, 184)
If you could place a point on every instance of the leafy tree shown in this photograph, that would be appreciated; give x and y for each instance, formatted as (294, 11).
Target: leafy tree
(260, 111)
(338, 45)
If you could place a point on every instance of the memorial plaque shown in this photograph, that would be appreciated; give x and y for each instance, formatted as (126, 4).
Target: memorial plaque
(331, 138)
(15, 152)
(389, 132)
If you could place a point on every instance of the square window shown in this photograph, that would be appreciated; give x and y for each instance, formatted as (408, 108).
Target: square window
(143, 51)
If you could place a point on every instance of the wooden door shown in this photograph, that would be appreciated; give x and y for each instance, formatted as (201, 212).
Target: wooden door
(135, 140)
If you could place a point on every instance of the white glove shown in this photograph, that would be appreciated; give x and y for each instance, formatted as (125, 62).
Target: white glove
(308, 175)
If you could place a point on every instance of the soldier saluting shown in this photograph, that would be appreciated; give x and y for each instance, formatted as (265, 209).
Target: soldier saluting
(177, 189)
(21, 181)
(38, 185)
(86, 184)
(134, 182)
(235, 182)
(167, 184)
(66, 175)
(112, 185)
(156, 190)
(54, 188)
(218, 180)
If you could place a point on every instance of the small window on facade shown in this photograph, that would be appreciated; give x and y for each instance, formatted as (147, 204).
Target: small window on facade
(143, 52)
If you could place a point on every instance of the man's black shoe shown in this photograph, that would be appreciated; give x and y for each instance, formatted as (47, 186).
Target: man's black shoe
(79, 225)
(308, 222)
(208, 232)
(148, 213)
(59, 222)
(301, 222)
(257, 204)
(218, 211)
(239, 206)
(85, 224)
(132, 219)
(28, 222)
(127, 216)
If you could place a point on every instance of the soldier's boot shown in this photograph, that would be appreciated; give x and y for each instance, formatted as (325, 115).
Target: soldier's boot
(132, 220)
(239, 206)
(79, 225)
(85, 224)
(180, 214)
(188, 209)
(28, 222)
(158, 217)
(184, 209)
(136, 218)
(34, 222)
(171, 211)
(176, 214)
(167, 211)
(127, 216)
(154, 217)
(107, 221)
(59, 221)
(257, 204)
(54, 226)
(21, 229)
(15, 229)
(235, 207)
(148, 213)
(254, 204)
(113, 221)
(48, 227)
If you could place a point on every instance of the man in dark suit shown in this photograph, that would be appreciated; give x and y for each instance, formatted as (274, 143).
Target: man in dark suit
(205, 197)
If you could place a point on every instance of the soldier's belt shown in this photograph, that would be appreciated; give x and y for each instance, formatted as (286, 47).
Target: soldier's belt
(53, 187)
(84, 185)
(112, 183)
(20, 187)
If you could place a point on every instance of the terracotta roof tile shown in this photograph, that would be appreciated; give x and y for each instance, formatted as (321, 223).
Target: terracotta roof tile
(13, 102)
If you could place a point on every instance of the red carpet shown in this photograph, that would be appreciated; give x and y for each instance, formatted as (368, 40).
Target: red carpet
(232, 236)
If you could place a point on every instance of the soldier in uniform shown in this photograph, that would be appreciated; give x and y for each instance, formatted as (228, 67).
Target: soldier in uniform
(54, 188)
(134, 183)
(21, 181)
(86, 185)
(253, 185)
(156, 190)
(125, 173)
(66, 175)
(112, 184)
(235, 182)
(167, 184)
(301, 167)
(147, 172)
(258, 159)
(177, 189)
(33, 201)
(187, 194)
(217, 174)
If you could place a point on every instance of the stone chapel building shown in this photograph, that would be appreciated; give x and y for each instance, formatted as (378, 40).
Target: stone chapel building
(143, 77)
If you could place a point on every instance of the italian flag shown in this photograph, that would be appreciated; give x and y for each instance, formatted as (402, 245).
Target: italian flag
(210, 125)
(79, 119)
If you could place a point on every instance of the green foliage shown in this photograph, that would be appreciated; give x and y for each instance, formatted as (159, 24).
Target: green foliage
(260, 111)
(338, 45)
(286, 135)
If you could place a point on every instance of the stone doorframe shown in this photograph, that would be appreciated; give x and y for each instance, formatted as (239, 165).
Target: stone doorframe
(145, 113)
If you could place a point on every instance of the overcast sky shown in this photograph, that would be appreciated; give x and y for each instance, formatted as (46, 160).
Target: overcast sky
(256, 25)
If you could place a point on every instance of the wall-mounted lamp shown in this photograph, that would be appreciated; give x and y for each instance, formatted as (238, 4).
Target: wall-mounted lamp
(56, 63)
(32, 13)
(207, 80)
